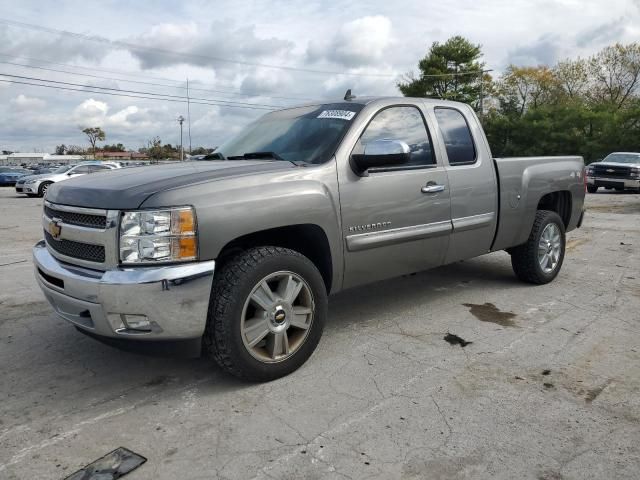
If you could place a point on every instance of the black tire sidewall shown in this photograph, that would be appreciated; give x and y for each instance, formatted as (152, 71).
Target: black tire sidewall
(42, 190)
(283, 260)
(550, 217)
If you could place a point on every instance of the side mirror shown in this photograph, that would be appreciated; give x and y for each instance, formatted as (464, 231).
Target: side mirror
(381, 153)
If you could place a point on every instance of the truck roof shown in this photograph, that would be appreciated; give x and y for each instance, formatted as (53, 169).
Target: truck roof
(383, 100)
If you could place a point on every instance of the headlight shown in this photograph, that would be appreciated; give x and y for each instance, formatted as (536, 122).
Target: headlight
(590, 171)
(635, 172)
(153, 236)
(30, 182)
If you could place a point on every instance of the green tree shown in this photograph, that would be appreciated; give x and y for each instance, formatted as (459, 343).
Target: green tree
(114, 148)
(154, 149)
(94, 134)
(451, 70)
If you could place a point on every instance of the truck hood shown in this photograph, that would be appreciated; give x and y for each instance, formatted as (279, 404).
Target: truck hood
(615, 164)
(128, 188)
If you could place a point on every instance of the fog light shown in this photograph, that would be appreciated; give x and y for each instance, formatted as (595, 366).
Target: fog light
(127, 323)
(137, 322)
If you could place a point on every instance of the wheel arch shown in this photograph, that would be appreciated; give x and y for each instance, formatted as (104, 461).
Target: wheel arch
(560, 202)
(308, 239)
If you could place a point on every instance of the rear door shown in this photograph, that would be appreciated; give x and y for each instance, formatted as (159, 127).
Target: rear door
(472, 181)
(396, 219)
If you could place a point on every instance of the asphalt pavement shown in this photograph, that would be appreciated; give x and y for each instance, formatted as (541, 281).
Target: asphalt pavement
(547, 387)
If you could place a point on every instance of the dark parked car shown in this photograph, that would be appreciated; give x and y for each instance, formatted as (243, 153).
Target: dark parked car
(9, 176)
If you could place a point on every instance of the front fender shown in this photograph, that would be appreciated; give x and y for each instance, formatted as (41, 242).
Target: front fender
(232, 208)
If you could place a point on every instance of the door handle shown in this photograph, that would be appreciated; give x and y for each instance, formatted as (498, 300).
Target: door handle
(432, 188)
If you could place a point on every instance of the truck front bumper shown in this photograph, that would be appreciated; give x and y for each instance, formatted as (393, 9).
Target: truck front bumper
(144, 303)
(609, 182)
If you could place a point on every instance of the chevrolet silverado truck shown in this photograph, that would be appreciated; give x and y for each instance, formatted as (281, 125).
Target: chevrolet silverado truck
(619, 171)
(238, 255)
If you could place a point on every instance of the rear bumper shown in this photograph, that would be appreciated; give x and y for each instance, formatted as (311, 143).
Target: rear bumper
(614, 182)
(147, 303)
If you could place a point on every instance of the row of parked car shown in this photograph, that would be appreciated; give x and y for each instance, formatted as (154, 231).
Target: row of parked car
(35, 183)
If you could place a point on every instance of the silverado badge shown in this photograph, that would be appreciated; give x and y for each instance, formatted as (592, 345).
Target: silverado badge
(55, 229)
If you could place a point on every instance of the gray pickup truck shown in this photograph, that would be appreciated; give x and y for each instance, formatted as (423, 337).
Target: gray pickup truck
(240, 254)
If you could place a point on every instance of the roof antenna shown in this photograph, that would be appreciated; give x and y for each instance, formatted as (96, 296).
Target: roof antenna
(348, 96)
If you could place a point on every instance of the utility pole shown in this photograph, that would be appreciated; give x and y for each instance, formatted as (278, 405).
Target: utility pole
(180, 121)
(189, 116)
(481, 100)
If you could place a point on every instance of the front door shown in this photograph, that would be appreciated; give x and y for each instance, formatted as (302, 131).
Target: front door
(395, 219)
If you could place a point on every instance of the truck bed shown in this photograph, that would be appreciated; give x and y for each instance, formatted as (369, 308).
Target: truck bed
(524, 183)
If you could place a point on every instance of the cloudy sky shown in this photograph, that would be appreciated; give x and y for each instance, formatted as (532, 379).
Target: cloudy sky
(242, 57)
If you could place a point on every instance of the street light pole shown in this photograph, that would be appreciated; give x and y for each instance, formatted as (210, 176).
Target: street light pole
(180, 121)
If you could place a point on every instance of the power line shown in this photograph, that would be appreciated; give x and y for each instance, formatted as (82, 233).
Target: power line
(226, 92)
(137, 92)
(84, 90)
(131, 46)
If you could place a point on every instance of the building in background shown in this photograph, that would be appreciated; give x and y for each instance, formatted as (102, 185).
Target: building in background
(121, 156)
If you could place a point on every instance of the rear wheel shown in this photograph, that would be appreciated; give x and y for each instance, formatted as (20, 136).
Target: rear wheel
(540, 259)
(42, 190)
(592, 188)
(266, 315)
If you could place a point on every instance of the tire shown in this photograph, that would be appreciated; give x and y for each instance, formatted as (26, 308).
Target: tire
(592, 188)
(528, 259)
(233, 312)
(42, 189)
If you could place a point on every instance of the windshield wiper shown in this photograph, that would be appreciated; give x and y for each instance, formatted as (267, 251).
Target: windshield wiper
(267, 155)
(256, 155)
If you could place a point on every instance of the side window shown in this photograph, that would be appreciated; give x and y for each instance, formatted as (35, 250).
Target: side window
(405, 124)
(457, 136)
(98, 168)
(80, 169)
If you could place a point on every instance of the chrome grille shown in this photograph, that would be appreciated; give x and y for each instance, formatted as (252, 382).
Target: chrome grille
(75, 218)
(86, 237)
(83, 251)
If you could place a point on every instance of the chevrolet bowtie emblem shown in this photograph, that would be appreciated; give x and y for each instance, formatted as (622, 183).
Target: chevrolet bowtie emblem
(55, 229)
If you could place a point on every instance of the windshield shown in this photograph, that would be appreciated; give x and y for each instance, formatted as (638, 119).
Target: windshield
(304, 134)
(64, 168)
(623, 158)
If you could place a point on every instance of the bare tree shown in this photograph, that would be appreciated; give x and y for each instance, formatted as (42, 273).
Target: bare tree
(572, 77)
(616, 74)
(94, 134)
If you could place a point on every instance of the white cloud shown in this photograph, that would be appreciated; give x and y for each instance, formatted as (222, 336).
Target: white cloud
(197, 45)
(363, 41)
(22, 102)
(91, 113)
(374, 37)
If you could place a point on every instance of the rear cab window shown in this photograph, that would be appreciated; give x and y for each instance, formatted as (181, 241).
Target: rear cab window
(456, 135)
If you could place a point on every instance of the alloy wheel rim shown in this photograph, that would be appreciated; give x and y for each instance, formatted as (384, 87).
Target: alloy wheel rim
(549, 248)
(277, 317)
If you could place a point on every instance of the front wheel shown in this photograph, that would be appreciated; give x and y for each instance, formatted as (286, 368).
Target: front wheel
(42, 190)
(592, 188)
(266, 314)
(540, 259)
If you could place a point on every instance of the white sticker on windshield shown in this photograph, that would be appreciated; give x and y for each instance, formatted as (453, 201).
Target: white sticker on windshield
(341, 114)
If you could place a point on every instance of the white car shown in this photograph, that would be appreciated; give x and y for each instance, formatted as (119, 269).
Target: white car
(36, 185)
